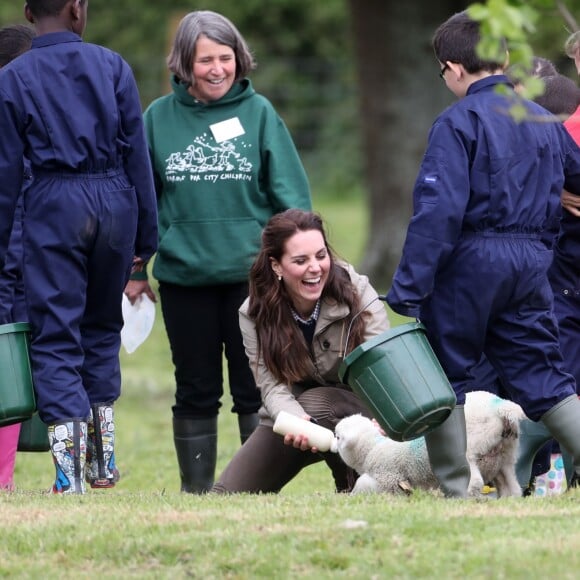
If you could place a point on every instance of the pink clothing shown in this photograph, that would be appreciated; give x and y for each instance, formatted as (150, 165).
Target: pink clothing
(572, 124)
(8, 445)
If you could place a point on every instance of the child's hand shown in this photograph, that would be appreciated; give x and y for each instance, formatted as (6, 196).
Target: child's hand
(138, 265)
(135, 288)
(570, 202)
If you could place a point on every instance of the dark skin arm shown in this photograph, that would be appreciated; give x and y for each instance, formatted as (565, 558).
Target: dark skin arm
(135, 288)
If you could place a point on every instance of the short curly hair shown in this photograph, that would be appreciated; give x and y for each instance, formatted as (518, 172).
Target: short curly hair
(42, 8)
(14, 40)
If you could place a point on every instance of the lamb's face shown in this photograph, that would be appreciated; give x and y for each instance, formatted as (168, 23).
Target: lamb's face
(350, 436)
(350, 427)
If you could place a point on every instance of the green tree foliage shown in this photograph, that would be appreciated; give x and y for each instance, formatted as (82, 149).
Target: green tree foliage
(532, 27)
(515, 21)
(303, 54)
(305, 59)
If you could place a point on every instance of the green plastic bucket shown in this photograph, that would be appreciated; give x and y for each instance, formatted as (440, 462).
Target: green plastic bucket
(33, 435)
(17, 402)
(400, 379)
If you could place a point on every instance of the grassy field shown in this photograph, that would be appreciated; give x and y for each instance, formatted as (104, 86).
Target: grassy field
(145, 528)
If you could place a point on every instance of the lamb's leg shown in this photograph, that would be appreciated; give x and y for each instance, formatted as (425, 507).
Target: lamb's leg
(365, 484)
(506, 483)
(476, 482)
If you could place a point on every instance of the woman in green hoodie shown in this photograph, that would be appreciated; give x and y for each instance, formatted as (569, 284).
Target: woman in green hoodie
(224, 163)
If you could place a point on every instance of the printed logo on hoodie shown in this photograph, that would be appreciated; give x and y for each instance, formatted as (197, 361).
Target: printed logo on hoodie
(204, 156)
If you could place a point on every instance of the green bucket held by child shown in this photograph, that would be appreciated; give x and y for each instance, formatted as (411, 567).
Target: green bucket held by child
(17, 400)
(400, 379)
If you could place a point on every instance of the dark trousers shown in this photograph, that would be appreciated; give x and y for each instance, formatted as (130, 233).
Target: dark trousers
(265, 465)
(201, 322)
(567, 310)
(78, 243)
(12, 303)
(493, 295)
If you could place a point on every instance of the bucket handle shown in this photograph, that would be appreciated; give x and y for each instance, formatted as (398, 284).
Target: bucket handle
(378, 297)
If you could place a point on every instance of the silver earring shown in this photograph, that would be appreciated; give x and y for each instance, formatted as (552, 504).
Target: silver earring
(279, 278)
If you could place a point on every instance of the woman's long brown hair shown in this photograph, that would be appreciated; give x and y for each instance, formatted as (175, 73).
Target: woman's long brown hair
(281, 343)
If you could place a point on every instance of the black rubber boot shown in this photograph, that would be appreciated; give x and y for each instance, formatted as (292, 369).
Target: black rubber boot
(447, 447)
(563, 422)
(572, 480)
(533, 436)
(247, 424)
(196, 447)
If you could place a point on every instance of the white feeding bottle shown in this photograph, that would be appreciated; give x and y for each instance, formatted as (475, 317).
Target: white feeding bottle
(320, 437)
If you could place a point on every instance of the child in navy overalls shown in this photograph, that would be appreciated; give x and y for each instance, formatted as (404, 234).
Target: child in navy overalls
(73, 110)
(474, 266)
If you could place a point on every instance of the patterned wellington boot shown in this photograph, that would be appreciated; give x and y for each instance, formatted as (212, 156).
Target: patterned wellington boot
(68, 445)
(553, 482)
(102, 473)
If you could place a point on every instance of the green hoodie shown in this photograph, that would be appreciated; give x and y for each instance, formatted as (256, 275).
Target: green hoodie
(222, 169)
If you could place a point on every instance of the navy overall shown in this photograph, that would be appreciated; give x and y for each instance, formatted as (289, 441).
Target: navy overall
(73, 110)
(474, 266)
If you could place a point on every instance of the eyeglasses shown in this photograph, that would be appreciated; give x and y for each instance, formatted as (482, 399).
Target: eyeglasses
(442, 71)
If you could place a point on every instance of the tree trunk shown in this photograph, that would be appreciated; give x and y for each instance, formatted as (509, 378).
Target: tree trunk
(400, 95)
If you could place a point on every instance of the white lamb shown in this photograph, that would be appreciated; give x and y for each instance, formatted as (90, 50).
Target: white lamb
(389, 466)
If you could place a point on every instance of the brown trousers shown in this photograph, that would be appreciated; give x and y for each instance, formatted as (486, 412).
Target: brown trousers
(265, 465)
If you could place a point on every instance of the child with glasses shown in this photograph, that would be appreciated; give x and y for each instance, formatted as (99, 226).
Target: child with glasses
(474, 265)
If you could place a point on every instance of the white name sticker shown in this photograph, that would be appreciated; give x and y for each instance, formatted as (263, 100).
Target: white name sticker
(229, 129)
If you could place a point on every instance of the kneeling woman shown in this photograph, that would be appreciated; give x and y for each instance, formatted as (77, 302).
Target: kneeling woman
(301, 312)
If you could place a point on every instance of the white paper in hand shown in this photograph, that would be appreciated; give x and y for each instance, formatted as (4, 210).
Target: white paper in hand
(138, 319)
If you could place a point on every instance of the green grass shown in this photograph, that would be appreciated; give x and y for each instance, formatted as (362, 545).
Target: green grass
(346, 224)
(145, 528)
